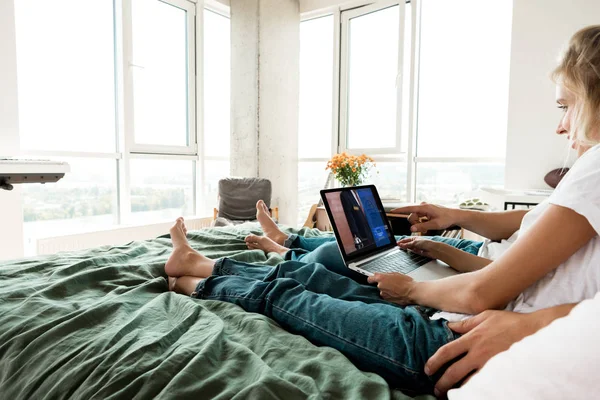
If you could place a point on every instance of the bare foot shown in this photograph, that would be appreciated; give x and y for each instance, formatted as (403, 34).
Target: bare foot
(184, 260)
(184, 284)
(269, 226)
(265, 244)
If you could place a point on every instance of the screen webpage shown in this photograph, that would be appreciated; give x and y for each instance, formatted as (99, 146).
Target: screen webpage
(358, 220)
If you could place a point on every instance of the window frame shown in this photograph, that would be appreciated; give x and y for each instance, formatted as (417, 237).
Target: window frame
(363, 7)
(128, 66)
(125, 148)
(201, 178)
(344, 57)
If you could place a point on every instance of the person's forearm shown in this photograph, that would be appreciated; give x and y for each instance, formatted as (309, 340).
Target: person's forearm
(454, 294)
(460, 293)
(544, 317)
(492, 225)
(461, 260)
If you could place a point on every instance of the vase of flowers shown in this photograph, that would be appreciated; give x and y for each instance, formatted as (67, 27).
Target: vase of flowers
(350, 170)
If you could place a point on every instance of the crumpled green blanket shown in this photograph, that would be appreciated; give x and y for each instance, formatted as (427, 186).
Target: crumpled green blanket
(101, 324)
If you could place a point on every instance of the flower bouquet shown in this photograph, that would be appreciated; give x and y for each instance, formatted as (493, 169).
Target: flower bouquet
(350, 170)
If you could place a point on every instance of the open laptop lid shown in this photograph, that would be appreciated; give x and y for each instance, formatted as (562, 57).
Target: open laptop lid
(359, 222)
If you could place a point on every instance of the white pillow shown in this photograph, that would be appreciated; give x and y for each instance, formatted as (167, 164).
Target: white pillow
(561, 361)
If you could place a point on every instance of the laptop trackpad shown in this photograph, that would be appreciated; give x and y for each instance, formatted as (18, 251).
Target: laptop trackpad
(431, 271)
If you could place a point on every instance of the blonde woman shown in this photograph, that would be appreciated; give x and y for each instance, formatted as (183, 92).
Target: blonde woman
(554, 264)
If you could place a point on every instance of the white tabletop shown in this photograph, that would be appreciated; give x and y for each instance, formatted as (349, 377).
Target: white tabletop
(16, 166)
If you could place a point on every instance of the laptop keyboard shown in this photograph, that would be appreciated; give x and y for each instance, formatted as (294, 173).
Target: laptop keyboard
(403, 262)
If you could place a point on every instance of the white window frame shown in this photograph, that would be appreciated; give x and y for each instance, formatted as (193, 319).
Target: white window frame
(335, 11)
(127, 71)
(125, 147)
(130, 149)
(224, 11)
(414, 112)
(346, 16)
(395, 154)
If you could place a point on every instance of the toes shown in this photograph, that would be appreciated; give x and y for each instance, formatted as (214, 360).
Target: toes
(252, 238)
(259, 204)
(265, 208)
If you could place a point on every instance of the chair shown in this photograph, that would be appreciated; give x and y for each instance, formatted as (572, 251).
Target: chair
(237, 200)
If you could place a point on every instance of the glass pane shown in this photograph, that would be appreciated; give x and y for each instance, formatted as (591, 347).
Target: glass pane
(65, 68)
(160, 84)
(316, 88)
(373, 68)
(161, 190)
(390, 179)
(407, 60)
(311, 179)
(213, 171)
(217, 74)
(84, 200)
(464, 76)
(449, 183)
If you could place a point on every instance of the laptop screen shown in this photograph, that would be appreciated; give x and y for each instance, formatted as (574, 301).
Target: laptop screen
(358, 219)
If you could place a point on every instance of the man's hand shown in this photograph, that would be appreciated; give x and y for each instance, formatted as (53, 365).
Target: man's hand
(394, 287)
(428, 216)
(421, 246)
(484, 336)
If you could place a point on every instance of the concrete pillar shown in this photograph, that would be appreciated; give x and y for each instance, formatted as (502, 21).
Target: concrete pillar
(11, 203)
(265, 60)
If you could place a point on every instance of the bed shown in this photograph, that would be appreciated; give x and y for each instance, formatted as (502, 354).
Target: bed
(101, 324)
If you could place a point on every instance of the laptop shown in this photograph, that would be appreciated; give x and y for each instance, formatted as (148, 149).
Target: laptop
(365, 238)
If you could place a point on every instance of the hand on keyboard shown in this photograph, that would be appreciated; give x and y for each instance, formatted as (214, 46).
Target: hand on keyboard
(421, 246)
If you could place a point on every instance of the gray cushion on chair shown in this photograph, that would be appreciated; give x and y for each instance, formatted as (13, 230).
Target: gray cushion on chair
(238, 197)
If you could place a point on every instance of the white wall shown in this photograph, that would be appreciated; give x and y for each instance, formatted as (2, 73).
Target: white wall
(245, 47)
(11, 211)
(265, 78)
(279, 95)
(541, 29)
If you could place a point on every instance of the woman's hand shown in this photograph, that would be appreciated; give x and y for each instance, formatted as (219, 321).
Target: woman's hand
(425, 217)
(422, 246)
(394, 287)
(484, 336)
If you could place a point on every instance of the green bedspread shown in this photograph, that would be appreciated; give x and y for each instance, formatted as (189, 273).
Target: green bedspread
(101, 324)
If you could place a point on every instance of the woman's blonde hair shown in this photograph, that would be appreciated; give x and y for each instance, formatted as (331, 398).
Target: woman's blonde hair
(579, 72)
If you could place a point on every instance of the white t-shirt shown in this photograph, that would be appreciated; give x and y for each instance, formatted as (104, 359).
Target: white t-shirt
(578, 278)
(492, 250)
(558, 362)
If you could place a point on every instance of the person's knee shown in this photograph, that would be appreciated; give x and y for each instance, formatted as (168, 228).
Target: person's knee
(326, 252)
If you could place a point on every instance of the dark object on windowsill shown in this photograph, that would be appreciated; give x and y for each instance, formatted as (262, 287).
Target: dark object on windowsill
(553, 177)
(5, 185)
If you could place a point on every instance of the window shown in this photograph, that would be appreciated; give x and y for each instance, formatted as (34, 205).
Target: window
(61, 107)
(217, 75)
(446, 183)
(84, 200)
(160, 76)
(372, 69)
(435, 131)
(62, 110)
(161, 189)
(459, 117)
(316, 110)
(375, 91)
(117, 101)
